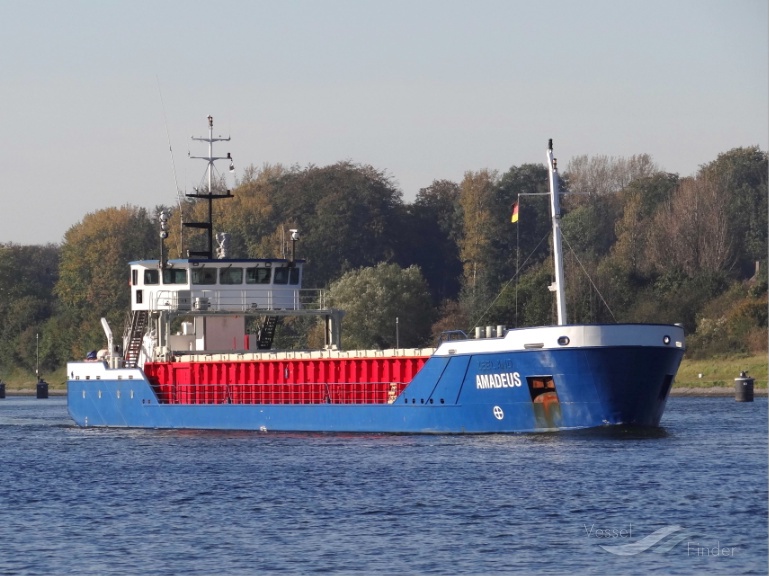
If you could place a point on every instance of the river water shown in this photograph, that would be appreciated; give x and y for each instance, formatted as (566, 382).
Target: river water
(688, 498)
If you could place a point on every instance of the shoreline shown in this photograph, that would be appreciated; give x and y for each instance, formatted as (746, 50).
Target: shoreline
(713, 391)
(719, 391)
(33, 392)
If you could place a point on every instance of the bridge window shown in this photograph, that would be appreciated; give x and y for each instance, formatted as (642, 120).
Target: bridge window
(151, 277)
(294, 276)
(174, 276)
(231, 276)
(258, 275)
(281, 276)
(204, 276)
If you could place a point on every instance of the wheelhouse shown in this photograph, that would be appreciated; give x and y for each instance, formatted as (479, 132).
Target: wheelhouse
(227, 285)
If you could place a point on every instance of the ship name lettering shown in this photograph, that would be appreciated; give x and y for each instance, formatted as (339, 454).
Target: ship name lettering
(504, 380)
(489, 365)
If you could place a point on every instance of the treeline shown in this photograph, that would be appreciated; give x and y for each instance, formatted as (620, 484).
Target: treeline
(641, 245)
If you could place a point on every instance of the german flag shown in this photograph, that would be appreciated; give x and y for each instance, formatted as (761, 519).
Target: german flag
(514, 217)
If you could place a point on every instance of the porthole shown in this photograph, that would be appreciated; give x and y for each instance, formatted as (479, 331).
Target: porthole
(666, 339)
(563, 340)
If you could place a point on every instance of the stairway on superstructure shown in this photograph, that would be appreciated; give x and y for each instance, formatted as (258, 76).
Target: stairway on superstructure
(267, 333)
(135, 335)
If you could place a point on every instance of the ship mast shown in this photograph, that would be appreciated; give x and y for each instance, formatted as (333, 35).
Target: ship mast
(555, 211)
(210, 196)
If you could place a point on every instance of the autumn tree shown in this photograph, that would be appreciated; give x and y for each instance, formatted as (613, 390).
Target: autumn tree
(249, 216)
(691, 233)
(639, 202)
(601, 175)
(93, 271)
(476, 193)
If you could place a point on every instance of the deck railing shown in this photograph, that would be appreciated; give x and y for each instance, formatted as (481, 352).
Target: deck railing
(282, 393)
(227, 300)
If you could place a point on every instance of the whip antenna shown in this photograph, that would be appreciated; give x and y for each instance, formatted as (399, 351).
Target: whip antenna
(173, 164)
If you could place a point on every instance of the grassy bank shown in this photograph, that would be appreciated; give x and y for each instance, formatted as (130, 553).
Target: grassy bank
(22, 380)
(713, 372)
(721, 371)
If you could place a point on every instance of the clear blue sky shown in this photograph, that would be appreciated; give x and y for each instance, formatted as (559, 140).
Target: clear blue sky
(422, 89)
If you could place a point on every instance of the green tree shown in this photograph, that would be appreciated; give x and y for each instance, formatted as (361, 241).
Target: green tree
(430, 240)
(348, 215)
(373, 298)
(512, 249)
(625, 272)
(27, 277)
(517, 246)
(740, 177)
(529, 302)
(734, 321)
(588, 236)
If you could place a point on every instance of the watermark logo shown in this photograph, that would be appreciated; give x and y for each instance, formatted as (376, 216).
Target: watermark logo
(660, 541)
(663, 539)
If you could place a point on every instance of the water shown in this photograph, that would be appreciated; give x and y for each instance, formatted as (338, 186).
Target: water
(90, 501)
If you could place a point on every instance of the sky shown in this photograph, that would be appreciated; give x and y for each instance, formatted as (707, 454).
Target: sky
(101, 97)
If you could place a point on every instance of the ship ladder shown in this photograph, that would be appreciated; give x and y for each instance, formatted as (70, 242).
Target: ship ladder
(267, 333)
(136, 334)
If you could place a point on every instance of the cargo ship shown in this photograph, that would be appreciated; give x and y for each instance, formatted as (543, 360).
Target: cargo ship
(191, 358)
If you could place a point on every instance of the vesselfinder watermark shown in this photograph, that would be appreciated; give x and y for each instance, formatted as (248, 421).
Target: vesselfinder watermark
(629, 540)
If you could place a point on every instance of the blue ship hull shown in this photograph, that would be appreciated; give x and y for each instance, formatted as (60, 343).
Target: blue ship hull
(455, 393)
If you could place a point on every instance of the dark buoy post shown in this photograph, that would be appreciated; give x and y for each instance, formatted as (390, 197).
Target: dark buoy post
(42, 385)
(743, 388)
(42, 389)
(2, 389)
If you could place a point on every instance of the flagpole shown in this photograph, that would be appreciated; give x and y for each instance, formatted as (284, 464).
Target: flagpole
(517, 259)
